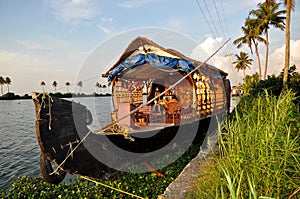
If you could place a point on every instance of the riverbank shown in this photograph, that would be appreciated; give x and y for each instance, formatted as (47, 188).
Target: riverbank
(259, 152)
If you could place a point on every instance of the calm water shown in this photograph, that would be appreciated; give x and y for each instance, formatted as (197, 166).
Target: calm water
(19, 149)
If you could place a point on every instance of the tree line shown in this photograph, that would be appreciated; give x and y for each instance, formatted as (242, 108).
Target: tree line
(3, 81)
(68, 84)
(256, 31)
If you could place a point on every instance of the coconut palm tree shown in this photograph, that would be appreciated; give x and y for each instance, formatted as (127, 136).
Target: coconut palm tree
(7, 82)
(80, 84)
(2, 82)
(251, 37)
(290, 6)
(67, 85)
(104, 87)
(43, 85)
(98, 86)
(242, 62)
(54, 84)
(268, 15)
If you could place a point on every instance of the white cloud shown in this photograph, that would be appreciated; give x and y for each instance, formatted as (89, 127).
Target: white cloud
(105, 23)
(176, 24)
(135, 3)
(32, 45)
(11, 60)
(231, 6)
(276, 60)
(105, 30)
(78, 1)
(75, 11)
(107, 19)
(205, 49)
(27, 71)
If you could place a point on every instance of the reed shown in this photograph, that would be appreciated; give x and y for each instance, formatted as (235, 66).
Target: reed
(259, 152)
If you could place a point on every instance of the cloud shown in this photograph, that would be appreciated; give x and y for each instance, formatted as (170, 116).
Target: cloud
(205, 49)
(75, 11)
(27, 71)
(105, 23)
(32, 45)
(135, 3)
(277, 58)
(78, 1)
(105, 30)
(232, 7)
(12, 60)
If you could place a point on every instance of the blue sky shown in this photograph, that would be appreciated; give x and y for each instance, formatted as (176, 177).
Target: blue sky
(44, 40)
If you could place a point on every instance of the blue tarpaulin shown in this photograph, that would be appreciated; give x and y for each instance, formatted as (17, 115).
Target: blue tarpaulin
(154, 60)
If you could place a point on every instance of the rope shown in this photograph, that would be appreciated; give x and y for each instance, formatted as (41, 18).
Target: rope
(161, 94)
(113, 188)
(100, 131)
(43, 104)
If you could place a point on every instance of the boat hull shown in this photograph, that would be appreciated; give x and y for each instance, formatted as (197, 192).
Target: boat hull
(62, 126)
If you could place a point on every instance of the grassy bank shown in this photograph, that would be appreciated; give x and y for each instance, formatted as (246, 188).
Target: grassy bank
(259, 152)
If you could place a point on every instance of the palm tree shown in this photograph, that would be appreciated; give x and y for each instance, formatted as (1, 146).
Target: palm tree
(43, 85)
(104, 87)
(251, 37)
(7, 82)
(80, 84)
(268, 15)
(67, 85)
(98, 86)
(290, 5)
(2, 82)
(242, 62)
(54, 84)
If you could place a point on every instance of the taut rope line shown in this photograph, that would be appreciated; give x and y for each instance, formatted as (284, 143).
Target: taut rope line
(99, 131)
(113, 188)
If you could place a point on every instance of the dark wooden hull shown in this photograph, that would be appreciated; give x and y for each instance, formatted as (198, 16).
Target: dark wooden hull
(63, 129)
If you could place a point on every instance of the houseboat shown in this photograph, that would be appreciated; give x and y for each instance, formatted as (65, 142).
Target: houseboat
(160, 98)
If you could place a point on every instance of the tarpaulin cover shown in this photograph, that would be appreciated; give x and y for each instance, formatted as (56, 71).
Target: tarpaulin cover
(154, 60)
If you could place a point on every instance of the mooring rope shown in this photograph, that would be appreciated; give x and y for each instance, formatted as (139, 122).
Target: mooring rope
(100, 131)
(113, 188)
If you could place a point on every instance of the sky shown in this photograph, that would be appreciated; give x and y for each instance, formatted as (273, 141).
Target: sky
(78, 40)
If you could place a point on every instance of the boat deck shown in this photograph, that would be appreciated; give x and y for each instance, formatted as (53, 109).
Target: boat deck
(153, 127)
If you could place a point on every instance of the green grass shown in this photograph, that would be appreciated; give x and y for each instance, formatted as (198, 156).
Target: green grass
(146, 185)
(259, 152)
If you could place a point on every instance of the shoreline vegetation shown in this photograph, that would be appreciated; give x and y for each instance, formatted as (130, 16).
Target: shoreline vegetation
(13, 96)
(259, 152)
(259, 145)
(258, 156)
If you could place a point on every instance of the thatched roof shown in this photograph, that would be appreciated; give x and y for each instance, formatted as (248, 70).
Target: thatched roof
(139, 42)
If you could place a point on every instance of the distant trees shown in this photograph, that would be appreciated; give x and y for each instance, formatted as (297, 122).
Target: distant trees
(6, 81)
(242, 62)
(251, 37)
(257, 25)
(54, 84)
(80, 84)
(265, 16)
(67, 85)
(2, 82)
(43, 85)
(100, 86)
